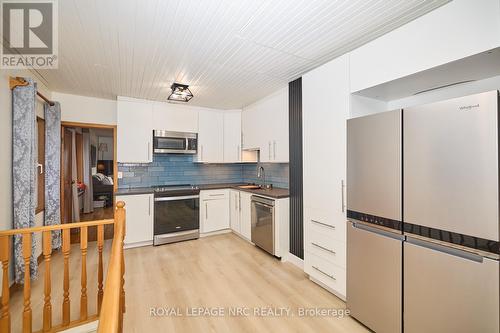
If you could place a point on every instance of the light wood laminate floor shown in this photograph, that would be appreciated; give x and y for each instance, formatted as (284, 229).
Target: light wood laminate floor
(222, 271)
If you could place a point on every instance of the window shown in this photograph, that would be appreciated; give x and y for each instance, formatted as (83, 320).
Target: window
(40, 126)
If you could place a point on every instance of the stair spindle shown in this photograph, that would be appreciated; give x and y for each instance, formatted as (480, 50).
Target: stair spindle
(4, 310)
(66, 302)
(47, 306)
(27, 315)
(100, 271)
(83, 298)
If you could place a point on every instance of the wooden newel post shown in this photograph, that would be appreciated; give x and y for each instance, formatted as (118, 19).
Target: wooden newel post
(120, 222)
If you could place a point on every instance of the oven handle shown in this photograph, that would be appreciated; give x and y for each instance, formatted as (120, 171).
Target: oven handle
(177, 198)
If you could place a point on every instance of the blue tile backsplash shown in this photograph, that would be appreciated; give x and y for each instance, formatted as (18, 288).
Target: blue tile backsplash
(180, 169)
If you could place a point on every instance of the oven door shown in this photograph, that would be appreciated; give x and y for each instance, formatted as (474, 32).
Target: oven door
(176, 215)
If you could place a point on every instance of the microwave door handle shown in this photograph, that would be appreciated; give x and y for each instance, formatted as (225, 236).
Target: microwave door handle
(187, 144)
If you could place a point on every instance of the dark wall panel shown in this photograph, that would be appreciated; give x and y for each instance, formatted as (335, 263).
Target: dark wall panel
(296, 193)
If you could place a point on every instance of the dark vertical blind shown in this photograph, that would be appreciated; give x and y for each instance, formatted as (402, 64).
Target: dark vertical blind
(295, 146)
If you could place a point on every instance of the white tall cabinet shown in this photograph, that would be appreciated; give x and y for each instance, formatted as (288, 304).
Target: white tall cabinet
(134, 130)
(325, 98)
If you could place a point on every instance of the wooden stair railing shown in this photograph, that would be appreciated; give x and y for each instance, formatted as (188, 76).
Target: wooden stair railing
(113, 303)
(110, 302)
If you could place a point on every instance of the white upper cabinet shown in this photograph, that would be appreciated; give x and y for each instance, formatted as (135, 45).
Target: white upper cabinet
(250, 122)
(232, 136)
(175, 118)
(265, 127)
(210, 136)
(458, 29)
(135, 131)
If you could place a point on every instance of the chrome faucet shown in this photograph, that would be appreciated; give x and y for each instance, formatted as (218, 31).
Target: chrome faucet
(261, 173)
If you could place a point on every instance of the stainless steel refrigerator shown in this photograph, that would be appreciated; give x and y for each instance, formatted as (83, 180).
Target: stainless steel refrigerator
(451, 216)
(374, 230)
(423, 209)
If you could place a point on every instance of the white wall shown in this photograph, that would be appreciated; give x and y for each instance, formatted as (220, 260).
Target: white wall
(454, 31)
(84, 109)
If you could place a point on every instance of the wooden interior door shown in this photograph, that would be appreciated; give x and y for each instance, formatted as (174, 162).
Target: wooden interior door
(66, 176)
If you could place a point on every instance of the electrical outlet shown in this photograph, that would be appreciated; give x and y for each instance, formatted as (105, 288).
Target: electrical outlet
(120, 175)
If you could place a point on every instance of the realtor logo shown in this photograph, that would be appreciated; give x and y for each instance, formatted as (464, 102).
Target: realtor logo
(29, 34)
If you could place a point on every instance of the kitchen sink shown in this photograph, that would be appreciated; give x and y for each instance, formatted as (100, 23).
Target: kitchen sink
(250, 187)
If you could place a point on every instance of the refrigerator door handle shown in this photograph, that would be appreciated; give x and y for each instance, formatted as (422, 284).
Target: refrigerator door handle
(378, 231)
(445, 249)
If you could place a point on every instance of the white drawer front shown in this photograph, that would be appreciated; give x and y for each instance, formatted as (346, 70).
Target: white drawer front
(322, 223)
(323, 245)
(214, 194)
(326, 272)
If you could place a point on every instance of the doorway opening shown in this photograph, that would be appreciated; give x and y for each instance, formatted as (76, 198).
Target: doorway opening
(88, 176)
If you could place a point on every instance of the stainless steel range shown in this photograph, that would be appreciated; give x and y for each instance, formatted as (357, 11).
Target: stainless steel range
(176, 215)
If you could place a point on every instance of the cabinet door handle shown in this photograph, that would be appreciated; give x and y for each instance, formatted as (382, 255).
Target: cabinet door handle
(239, 201)
(323, 224)
(149, 151)
(274, 149)
(323, 248)
(238, 153)
(342, 186)
(324, 273)
(149, 205)
(201, 147)
(206, 210)
(269, 150)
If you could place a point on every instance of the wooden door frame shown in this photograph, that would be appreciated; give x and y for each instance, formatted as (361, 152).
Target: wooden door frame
(66, 124)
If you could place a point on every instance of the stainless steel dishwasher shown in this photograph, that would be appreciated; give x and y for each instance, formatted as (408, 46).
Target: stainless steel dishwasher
(263, 223)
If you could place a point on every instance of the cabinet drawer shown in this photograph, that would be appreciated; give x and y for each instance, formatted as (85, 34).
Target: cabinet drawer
(324, 246)
(326, 272)
(319, 222)
(214, 194)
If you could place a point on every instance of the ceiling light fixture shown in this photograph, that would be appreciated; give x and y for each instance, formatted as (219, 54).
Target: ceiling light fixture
(180, 93)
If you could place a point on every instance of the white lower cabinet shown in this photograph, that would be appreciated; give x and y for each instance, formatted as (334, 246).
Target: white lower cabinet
(214, 210)
(246, 215)
(139, 219)
(235, 211)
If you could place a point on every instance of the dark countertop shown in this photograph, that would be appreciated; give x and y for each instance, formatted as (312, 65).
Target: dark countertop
(275, 192)
(136, 190)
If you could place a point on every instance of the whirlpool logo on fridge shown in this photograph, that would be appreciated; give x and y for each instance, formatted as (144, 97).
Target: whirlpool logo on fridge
(29, 34)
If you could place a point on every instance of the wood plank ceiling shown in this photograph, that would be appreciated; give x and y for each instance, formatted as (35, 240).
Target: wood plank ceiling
(230, 52)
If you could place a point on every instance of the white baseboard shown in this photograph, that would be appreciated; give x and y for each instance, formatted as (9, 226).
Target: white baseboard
(294, 260)
(324, 286)
(213, 233)
(138, 244)
(242, 237)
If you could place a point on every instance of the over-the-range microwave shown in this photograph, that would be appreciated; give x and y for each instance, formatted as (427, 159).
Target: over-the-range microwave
(167, 142)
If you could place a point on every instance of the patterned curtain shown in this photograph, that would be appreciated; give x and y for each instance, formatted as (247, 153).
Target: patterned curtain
(24, 157)
(53, 169)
